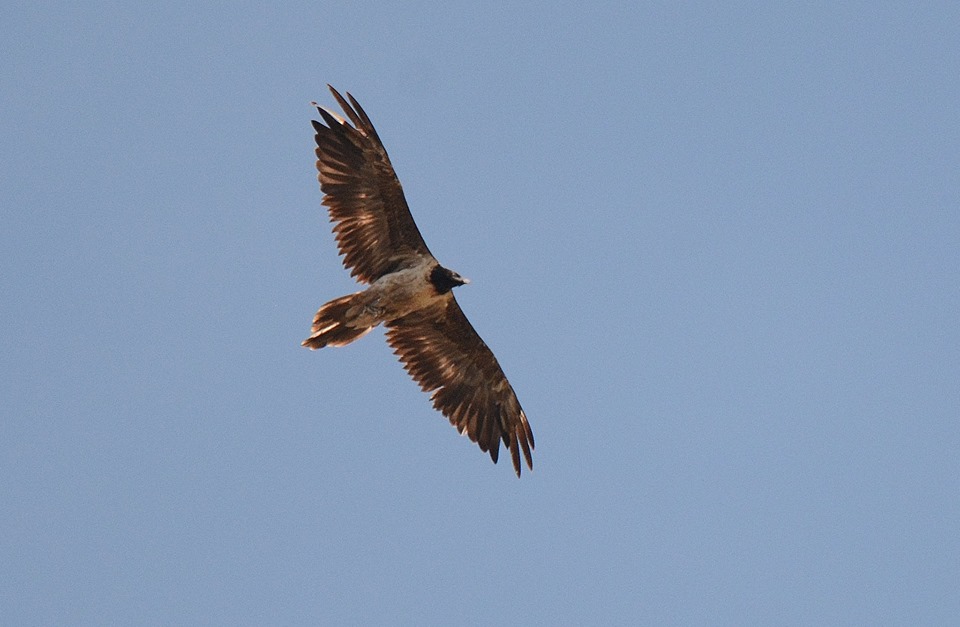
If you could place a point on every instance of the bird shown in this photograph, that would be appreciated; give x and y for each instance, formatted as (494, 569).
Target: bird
(407, 290)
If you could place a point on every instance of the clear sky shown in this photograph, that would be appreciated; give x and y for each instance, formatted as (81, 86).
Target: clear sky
(715, 247)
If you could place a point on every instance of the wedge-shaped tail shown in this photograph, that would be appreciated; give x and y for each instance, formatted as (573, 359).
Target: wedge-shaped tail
(334, 323)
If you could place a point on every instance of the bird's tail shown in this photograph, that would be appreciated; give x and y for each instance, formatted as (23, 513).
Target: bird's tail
(334, 323)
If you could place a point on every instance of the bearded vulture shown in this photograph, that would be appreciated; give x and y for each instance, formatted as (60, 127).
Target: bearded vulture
(407, 289)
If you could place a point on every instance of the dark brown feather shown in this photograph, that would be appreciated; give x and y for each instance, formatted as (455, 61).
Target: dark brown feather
(331, 325)
(374, 229)
(444, 354)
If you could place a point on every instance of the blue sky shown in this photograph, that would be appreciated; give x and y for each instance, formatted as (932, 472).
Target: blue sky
(715, 247)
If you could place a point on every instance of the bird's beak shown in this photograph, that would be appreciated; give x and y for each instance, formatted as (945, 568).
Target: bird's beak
(465, 280)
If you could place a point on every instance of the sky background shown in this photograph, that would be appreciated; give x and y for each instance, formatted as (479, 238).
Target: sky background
(715, 247)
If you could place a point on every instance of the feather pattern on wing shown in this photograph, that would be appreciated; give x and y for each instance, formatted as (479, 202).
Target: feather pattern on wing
(374, 229)
(444, 354)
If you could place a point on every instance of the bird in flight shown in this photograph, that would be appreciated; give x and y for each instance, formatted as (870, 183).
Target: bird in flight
(408, 291)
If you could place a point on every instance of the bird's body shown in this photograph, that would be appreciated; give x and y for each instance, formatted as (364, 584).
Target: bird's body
(390, 297)
(409, 291)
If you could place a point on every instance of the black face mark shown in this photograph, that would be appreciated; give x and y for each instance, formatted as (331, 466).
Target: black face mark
(444, 280)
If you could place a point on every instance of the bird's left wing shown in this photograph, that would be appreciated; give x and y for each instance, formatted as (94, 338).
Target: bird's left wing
(444, 354)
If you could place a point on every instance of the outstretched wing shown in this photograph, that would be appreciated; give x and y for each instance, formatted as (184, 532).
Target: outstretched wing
(443, 353)
(374, 229)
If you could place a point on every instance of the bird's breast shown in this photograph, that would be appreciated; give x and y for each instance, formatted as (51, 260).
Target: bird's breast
(404, 291)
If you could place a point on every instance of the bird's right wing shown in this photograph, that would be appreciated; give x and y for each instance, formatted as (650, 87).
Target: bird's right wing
(374, 229)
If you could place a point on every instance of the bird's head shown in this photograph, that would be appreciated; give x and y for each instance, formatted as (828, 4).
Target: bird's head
(444, 279)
